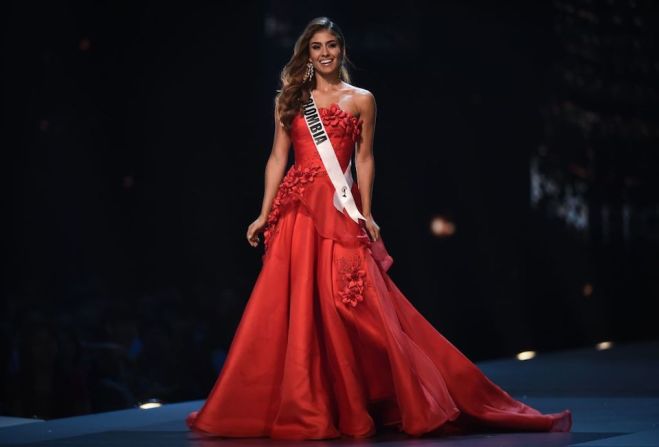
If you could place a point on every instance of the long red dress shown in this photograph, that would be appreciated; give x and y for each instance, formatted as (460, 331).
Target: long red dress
(328, 346)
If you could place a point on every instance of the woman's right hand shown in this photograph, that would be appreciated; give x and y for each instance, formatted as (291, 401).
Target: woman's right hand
(254, 229)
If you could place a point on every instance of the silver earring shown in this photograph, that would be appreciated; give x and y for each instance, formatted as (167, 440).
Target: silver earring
(309, 74)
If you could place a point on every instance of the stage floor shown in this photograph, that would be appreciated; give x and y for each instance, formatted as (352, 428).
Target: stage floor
(613, 395)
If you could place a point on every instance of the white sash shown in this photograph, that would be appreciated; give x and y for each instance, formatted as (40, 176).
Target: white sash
(342, 181)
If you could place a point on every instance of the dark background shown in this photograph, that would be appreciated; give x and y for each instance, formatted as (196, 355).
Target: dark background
(135, 136)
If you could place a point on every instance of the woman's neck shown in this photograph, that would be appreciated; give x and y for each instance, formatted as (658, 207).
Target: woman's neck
(327, 84)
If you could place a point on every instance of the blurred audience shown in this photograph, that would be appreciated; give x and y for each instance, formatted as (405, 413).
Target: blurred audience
(66, 358)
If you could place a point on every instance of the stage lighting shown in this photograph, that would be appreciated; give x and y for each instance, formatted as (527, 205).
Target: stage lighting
(440, 226)
(603, 345)
(149, 404)
(525, 355)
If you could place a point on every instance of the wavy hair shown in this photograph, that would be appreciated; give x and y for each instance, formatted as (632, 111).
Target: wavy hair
(294, 91)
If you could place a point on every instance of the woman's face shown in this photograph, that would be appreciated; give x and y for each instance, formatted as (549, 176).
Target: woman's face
(325, 52)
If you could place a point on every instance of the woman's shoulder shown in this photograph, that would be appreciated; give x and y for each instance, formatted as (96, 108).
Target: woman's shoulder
(358, 93)
(363, 99)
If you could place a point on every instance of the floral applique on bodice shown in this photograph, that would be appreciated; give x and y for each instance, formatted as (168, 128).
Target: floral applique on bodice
(344, 129)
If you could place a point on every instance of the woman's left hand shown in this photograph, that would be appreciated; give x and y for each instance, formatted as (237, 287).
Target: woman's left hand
(372, 228)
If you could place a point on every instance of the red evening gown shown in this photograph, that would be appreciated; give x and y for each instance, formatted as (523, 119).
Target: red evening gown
(328, 345)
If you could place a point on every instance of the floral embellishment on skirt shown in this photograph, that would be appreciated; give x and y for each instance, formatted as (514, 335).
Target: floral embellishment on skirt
(340, 121)
(352, 280)
(290, 190)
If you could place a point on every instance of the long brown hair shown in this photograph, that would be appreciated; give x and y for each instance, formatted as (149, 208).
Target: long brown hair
(294, 91)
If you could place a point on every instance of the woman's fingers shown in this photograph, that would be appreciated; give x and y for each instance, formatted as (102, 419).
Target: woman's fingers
(374, 232)
(252, 239)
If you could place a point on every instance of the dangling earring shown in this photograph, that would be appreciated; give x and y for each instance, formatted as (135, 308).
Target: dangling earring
(309, 73)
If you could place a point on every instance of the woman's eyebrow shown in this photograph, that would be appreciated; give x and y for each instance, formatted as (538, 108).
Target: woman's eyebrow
(329, 41)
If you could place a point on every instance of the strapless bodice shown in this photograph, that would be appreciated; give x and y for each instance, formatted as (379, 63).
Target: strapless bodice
(342, 127)
(306, 182)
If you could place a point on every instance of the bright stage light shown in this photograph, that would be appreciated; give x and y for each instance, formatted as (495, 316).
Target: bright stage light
(442, 227)
(603, 345)
(525, 355)
(149, 404)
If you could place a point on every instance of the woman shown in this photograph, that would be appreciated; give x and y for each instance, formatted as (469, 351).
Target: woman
(327, 345)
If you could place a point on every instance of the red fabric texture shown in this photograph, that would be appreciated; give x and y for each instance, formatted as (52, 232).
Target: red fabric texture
(328, 346)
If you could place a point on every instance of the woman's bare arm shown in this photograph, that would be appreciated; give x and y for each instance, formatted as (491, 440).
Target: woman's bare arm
(276, 165)
(364, 161)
